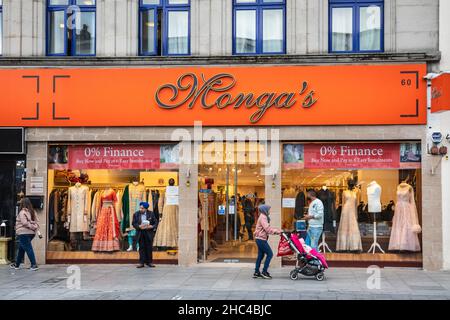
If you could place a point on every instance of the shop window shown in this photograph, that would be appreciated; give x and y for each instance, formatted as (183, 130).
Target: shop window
(94, 191)
(356, 26)
(371, 193)
(259, 27)
(164, 27)
(71, 27)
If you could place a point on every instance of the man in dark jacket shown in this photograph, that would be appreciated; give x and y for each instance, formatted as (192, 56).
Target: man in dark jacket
(145, 223)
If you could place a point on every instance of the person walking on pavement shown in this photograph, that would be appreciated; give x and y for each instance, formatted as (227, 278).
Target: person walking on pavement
(145, 223)
(315, 220)
(26, 228)
(262, 232)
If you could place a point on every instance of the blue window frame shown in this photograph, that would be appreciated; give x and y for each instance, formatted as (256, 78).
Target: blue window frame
(71, 28)
(356, 26)
(164, 27)
(259, 27)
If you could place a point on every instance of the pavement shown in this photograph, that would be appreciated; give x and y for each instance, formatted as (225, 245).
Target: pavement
(217, 281)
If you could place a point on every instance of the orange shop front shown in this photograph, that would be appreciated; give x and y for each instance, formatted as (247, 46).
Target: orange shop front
(131, 108)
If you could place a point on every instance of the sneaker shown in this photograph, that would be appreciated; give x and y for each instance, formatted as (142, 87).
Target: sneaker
(257, 275)
(266, 275)
(140, 266)
(130, 248)
(14, 266)
(34, 268)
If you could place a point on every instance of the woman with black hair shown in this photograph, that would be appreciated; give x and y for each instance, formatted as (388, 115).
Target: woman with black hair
(26, 228)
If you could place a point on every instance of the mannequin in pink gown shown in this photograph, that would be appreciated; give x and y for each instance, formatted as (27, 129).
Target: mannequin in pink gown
(405, 225)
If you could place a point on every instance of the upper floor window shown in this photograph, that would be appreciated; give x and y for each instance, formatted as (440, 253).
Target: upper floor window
(164, 27)
(356, 25)
(71, 27)
(259, 26)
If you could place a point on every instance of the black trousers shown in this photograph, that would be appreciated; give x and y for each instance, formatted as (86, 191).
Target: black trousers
(146, 247)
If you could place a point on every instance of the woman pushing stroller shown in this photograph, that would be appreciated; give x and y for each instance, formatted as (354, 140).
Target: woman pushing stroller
(262, 232)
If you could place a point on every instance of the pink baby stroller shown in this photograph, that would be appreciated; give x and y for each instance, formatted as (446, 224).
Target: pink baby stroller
(309, 262)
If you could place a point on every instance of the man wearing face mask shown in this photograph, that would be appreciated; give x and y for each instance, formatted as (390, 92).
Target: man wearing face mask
(315, 220)
(145, 223)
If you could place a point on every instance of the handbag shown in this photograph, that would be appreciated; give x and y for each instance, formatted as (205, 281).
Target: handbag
(284, 249)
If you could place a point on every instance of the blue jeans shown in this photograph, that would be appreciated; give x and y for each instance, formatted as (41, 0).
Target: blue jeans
(25, 246)
(313, 237)
(263, 249)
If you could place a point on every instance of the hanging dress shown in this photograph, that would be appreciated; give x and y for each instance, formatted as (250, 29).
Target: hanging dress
(108, 228)
(349, 237)
(405, 224)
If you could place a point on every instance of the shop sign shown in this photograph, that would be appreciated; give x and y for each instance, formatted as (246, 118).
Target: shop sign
(288, 202)
(217, 96)
(440, 93)
(37, 185)
(352, 156)
(172, 195)
(114, 157)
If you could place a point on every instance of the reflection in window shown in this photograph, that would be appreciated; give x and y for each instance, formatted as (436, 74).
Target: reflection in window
(178, 34)
(273, 30)
(57, 32)
(85, 44)
(356, 26)
(370, 28)
(164, 27)
(246, 31)
(342, 29)
(71, 27)
(259, 26)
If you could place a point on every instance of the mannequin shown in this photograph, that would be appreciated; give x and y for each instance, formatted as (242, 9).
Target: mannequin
(405, 224)
(133, 195)
(329, 204)
(327, 198)
(167, 232)
(300, 202)
(349, 237)
(374, 202)
(108, 229)
(78, 207)
(78, 202)
(374, 197)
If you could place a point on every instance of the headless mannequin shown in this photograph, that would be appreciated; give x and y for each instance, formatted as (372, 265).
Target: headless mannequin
(75, 237)
(374, 202)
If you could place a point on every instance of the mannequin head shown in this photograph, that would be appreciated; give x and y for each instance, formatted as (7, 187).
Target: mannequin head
(351, 184)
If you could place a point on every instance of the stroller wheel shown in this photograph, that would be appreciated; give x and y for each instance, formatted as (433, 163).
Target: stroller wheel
(293, 275)
(320, 276)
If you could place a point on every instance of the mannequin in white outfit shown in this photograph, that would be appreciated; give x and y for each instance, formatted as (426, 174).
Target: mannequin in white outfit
(374, 202)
